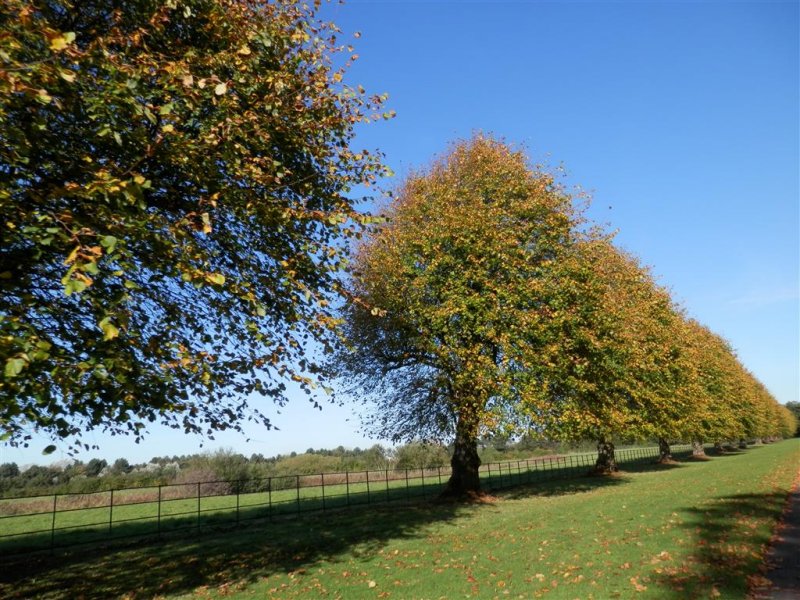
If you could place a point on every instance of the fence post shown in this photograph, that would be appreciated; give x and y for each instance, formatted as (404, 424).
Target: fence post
(347, 487)
(422, 473)
(158, 518)
(408, 491)
(368, 498)
(323, 490)
(111, 513)
(387, 485)
(489, 476)
(297, 486)
(269, 496)
(198, 505)
(238, 491)
(53, 524)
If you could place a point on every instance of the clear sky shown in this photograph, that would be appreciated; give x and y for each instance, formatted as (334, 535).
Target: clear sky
(681, 118)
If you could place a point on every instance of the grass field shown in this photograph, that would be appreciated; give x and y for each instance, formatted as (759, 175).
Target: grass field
(690, 530)
(49, 522)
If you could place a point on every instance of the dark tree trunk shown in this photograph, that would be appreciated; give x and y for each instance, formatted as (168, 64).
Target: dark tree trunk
(664, 451)
(606, 461)
(697, 449)
(743, 444)
(464, 479)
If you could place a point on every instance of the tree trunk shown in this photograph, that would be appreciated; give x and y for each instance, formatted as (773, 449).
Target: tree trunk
(697, 449)
(464, 479)
(743, 444)
(718, 447)
(664, 451)
(606, 461)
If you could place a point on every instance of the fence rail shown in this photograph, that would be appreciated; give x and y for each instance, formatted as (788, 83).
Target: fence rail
(36, 523)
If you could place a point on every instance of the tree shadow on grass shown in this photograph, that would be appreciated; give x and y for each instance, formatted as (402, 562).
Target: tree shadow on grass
(582, 479)
(729, 534)
(241, 556)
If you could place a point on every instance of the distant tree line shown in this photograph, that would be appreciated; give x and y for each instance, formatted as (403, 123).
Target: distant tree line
(225, 465)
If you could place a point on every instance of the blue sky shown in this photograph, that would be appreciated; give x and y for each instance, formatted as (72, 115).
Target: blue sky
(681, 118)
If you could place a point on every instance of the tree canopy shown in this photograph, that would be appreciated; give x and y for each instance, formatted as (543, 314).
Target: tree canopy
(174, 191)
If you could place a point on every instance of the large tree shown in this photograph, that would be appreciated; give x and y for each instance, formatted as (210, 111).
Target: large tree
(454, 298)
(174, 188)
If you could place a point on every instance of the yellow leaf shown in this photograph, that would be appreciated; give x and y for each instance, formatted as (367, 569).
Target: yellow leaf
(217, 278)
(60, 42)
(72, 255)
(109, 331)
(245, 50)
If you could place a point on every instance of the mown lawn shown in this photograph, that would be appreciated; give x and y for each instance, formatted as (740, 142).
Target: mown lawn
(692, 530)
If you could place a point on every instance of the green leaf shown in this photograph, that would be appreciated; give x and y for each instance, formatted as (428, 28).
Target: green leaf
(109, 242)
(14, 367)
(74, 286)
(49, 450)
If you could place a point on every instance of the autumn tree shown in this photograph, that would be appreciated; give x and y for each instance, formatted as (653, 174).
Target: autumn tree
(718, 410)
(617, 370)
(174, 189)
(792, 412)
(450, 303)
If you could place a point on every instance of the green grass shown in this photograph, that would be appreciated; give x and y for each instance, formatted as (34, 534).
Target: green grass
(693, 530)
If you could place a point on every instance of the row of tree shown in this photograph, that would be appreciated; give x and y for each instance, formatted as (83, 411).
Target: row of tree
(176, 205)
(486, 301)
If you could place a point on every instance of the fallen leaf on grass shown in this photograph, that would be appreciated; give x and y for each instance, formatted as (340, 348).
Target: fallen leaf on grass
(636, 585)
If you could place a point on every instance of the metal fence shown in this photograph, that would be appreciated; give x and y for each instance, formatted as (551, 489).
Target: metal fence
(36, 523)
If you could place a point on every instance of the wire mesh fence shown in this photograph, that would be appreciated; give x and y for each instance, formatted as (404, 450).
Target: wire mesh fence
(36, 523)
